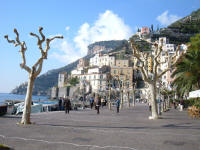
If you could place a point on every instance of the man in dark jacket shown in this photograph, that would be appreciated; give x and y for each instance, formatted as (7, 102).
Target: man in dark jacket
(98, 103)
(67, 105)
(117, 104)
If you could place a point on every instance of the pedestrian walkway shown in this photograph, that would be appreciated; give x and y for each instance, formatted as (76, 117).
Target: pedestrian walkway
(84, 129)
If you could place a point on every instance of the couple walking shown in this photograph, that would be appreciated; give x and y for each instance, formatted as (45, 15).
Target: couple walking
(67, 105)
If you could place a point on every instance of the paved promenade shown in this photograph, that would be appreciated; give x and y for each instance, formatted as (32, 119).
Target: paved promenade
(85, 130)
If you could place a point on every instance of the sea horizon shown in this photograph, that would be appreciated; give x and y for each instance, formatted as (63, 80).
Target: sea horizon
(10, 96)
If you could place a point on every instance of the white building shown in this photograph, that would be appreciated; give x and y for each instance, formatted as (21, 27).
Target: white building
(102, 60)
(98, 81)
(77, 72)
(163, 40)
(62, 78)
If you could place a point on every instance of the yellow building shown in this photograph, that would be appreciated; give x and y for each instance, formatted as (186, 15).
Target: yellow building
(123, 72)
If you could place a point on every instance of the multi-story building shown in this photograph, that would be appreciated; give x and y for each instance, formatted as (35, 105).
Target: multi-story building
(81, 67)
(97, 78)
(62, 90)
(76, 72)
(62, 79)
(83, 63)
(163, 41)
(102, 60)
(123, 71)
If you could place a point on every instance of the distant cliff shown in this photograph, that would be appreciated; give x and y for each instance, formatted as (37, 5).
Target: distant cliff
(104, 46)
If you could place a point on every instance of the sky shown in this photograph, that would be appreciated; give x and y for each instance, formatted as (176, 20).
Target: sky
(81, 22)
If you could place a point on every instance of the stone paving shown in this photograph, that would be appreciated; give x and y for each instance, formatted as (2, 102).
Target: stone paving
(85, 130)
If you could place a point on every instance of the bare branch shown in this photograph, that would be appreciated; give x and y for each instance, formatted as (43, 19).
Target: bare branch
(173, 64)
(138, 55)
(10, 41)
(145, 75)
(39, 69)
(35, 35)
(42, 35)
(39, 40)
(23, 46)
(174, 57)
(48, 43)
(163, 72)
(158, 51)
(136, 52)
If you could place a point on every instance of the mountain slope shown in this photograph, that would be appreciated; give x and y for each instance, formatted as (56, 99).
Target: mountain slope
(180, 31)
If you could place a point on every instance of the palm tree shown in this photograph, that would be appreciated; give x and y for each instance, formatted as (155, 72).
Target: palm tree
(187, 73)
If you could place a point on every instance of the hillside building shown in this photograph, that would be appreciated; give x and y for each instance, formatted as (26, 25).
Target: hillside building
(123, 71)
(102, 60)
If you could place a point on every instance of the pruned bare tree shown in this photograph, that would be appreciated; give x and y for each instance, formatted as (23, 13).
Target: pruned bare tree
(33, 71)
(153, 78)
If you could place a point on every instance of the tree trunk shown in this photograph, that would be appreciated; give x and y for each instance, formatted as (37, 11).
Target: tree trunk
(168, 102)
(122, 99)
(109, 99)
(154, 108)
(128, 99)
(28, 100)
(134, 97)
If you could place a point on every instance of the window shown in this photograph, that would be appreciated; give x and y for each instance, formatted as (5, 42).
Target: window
(114, 72)
(121, 71)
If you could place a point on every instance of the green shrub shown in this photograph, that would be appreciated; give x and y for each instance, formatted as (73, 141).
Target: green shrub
(4, 147)
(191, 102)
(197, 103)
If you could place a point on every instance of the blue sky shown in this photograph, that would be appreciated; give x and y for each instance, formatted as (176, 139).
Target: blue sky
(81, 22)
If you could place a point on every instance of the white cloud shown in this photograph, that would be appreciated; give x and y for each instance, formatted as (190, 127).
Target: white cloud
(166, 19)
(67, 28)
(66, 53)
(108, 26)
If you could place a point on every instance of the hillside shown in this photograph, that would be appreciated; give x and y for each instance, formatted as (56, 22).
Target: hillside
(181, 30)
(104, 46)
(189, 24)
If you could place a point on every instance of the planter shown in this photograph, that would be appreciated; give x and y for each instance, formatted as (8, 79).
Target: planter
(4, 147)
(194, 112)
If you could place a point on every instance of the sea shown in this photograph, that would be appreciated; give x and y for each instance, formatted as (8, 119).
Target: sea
(8, 96)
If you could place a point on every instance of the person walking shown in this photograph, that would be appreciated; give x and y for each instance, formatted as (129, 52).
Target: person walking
(149, 106)
(91, 102)
(67, 105)
(117, 104)
(60, 103)
(98, 103)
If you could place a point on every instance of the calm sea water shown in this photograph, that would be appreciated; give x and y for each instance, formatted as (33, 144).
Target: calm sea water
(7, 96)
